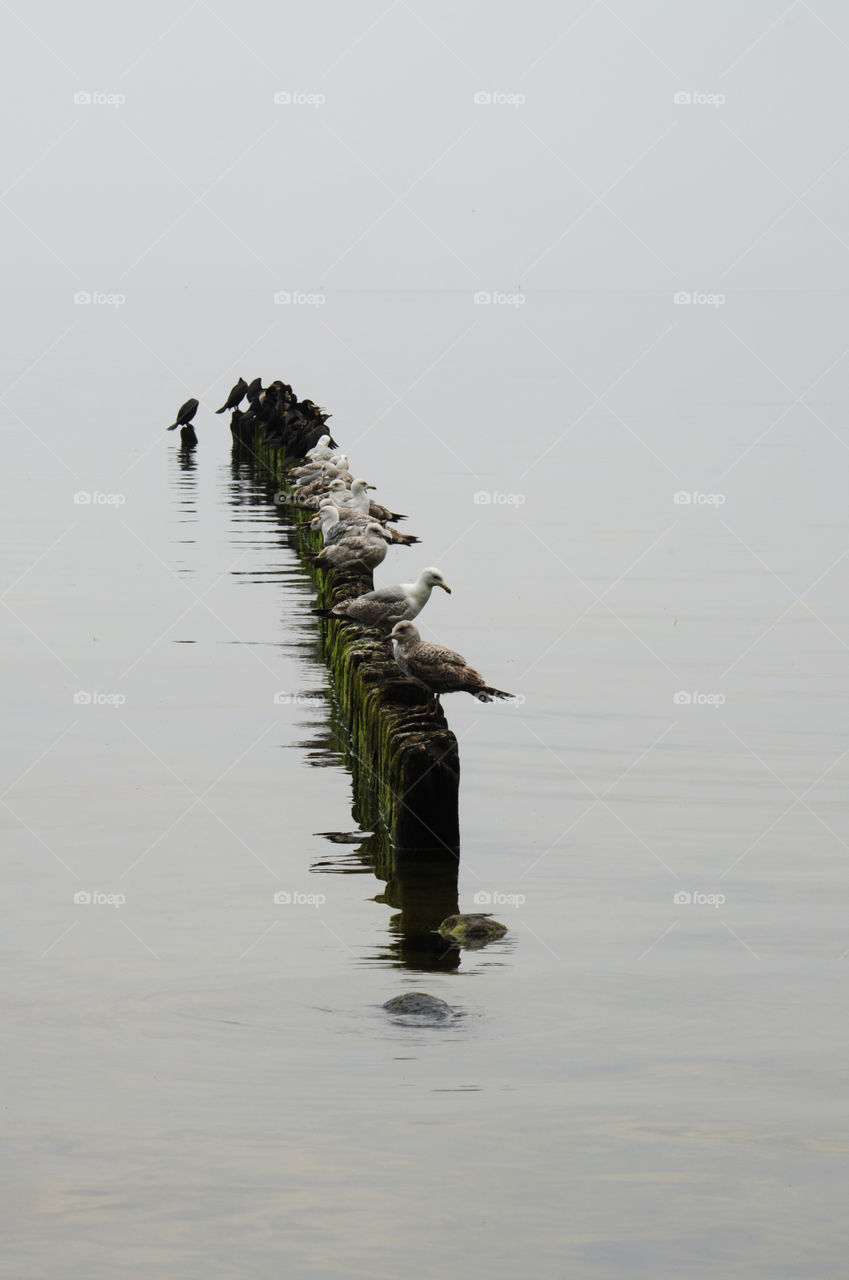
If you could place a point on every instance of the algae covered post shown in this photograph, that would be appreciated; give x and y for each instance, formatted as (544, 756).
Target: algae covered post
(405, 758)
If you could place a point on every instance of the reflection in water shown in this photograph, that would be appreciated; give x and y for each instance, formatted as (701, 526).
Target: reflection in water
(424, 889)
(421, 884)
(184, 478)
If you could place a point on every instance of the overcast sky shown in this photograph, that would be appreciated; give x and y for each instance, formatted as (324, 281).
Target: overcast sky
(383, 171)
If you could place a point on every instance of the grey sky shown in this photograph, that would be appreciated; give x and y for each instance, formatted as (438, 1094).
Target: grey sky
(399, 179)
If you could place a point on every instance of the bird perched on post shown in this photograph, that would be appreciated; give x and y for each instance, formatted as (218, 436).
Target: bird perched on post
(235, 398)
(437, 669)
(337, 522)
(357, 498)
(185, 415)
(387, 605)
(365, 547)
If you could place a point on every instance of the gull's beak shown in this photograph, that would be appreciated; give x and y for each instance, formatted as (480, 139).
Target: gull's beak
(371, 486)
(445, 587)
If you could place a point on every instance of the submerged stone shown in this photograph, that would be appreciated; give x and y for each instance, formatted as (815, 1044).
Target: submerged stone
(418, 1004)
(472, 930)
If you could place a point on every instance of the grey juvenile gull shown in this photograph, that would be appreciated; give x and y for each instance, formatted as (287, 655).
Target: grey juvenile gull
(437, 669)
(319, 467)
(366, 547)
(388, 605)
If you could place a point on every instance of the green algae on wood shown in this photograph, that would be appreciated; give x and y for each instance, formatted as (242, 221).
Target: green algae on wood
(407, 760)
(472, 930)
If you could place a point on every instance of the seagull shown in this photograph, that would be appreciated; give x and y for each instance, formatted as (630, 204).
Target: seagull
(359, 498)
(366, 547)
(313, 470)
(323, 478)
(437, 669)
(388, 605)
(336, 522)
(315, 492)
(321, 450)
(235, 398)
(187, 412)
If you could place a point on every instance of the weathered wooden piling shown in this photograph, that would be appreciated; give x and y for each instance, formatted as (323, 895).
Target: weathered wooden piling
(406, 761)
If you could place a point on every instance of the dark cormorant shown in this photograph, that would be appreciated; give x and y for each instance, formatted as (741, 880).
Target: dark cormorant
(187, 412)
(254, 389)
(235, 398)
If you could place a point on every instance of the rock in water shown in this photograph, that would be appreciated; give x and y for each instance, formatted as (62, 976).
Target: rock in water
(418, 1005)
(473, 930)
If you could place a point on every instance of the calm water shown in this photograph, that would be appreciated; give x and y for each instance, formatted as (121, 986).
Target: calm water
(200, 1081)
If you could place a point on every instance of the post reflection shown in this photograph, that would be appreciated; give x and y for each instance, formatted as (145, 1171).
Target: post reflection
(420, 877)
